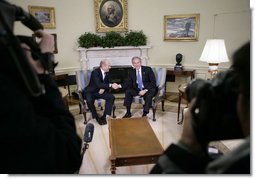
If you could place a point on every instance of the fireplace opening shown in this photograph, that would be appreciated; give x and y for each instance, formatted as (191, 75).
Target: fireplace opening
(119, 74)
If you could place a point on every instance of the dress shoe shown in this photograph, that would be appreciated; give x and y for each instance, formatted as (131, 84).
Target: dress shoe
(103, 120)
(127, 115)
(144, 114)
(99, 121)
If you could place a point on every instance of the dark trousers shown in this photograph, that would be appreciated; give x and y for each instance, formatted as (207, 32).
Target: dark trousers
(130, 93)
(91, 97)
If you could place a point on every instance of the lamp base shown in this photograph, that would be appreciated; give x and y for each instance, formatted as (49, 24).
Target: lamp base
(213, 69)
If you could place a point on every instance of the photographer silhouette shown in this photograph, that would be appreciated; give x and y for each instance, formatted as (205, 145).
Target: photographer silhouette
(38, 133)
(190, 155)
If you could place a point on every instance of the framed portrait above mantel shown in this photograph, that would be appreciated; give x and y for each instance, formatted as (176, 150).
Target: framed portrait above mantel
(45, 15)
(181, 27)
(111, 15)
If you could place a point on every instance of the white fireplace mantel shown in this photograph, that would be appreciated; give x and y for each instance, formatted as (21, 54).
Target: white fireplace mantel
(91, 57)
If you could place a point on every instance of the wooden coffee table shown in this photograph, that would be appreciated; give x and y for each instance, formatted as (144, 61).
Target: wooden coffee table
(132, 142)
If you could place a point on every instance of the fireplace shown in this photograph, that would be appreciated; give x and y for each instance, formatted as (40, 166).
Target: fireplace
(119, 74)
(119, 57)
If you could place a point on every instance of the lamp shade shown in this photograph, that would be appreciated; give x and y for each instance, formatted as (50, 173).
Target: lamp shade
(214, 51)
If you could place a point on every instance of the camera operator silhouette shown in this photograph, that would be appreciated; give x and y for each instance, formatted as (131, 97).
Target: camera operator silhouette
(38, 134)
(201, 126)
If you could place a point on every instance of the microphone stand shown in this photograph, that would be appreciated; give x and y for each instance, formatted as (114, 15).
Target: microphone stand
(84, 148)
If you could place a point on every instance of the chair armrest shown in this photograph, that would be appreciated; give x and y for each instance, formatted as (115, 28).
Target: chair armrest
(159, 96)
(161, 87)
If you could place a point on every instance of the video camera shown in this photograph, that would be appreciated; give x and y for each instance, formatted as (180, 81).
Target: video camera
(11, 50)
(214, 112)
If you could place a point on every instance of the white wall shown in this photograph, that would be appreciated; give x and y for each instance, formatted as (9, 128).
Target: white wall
(74, 18)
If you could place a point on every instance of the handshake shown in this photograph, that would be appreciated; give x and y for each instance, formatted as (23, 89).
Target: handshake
(116, 86)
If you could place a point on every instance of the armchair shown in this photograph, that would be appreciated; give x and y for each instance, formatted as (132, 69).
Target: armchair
(160, 75)
(82, 80)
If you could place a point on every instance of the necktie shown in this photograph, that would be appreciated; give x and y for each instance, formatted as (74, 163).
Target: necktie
(139, 80)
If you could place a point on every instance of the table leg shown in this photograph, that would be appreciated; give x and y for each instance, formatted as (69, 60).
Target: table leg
(66, 102)
(179, 105)
(113, 168)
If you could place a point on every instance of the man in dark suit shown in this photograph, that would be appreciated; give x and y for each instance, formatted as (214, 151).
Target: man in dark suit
(140, 82)
(99, 87)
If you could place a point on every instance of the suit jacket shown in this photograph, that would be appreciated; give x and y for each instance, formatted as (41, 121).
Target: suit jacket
(96, 82)
(149, 81)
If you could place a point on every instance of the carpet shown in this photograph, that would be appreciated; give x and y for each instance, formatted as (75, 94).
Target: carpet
(96, 158)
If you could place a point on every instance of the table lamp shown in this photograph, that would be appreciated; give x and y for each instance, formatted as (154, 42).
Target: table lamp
(214, 53)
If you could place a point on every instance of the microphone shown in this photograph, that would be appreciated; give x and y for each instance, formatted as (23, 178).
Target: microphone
(88, 134)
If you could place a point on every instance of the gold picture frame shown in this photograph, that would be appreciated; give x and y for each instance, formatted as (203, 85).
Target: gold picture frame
(111, 15)
(45, 15)
(181, 27)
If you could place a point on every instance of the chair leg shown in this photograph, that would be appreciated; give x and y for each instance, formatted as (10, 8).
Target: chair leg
(84, 112)
(154, 108)
(85, 117)
(113, 111)
(163, 105)
(80, 108)
(181, 121)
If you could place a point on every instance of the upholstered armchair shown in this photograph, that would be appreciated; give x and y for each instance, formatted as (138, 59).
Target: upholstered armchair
(160, 75)
(82, 80)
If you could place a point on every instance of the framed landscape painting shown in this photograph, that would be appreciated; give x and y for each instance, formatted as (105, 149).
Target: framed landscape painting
(181, 27)
(45, 15)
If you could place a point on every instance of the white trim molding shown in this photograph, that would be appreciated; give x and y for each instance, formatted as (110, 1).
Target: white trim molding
(117, 56)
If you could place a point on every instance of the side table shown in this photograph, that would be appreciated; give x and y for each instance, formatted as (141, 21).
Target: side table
(64, 94)
(62, 80)
(185, 73)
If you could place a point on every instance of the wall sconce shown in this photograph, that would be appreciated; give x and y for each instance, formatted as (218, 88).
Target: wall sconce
(214, 53)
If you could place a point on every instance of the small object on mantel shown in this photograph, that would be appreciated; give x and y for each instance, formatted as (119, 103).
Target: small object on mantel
(178, 66)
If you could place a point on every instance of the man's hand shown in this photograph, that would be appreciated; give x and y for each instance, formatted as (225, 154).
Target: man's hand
(115, 86)
(47, 41)
(36, 64)
(142, 92)
(46, 45)
(101, 91)
(188, 136)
